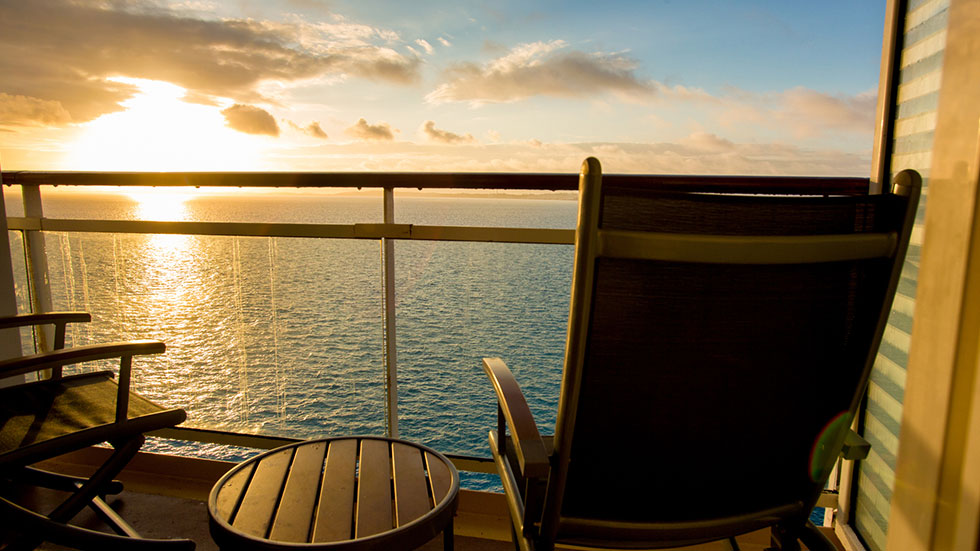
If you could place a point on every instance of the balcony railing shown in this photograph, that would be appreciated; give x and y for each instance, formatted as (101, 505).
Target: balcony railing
(34, 223)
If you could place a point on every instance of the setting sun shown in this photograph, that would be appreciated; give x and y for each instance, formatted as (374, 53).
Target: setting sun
(159, 131)
(159, 204)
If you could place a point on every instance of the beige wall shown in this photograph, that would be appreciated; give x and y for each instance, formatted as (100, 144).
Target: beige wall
(936, 500)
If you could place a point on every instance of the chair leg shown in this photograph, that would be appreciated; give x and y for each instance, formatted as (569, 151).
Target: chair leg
(447, 537)
(784, 539)
(88, 491)
(123, 453)
(56, 481)
(73, 537)
(514, 538)
(111, 518)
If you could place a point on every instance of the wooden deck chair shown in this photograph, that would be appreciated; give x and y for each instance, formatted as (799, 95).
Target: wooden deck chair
(57, 414)
(718, 348)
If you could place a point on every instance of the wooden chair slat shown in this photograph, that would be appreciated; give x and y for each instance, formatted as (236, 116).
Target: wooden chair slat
(411, 490)
(335, 512)
(295, 513)
(440, 478)
(231, 492)
(255, 514)
(374, 490)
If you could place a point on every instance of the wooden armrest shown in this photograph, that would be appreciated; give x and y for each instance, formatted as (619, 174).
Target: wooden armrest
(528, 444)
(21, 320)
(60, 320)
(78, 354)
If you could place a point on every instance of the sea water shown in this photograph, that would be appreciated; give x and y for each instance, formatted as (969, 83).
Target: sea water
(283, 336)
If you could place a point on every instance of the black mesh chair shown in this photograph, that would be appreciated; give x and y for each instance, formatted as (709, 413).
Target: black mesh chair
(54, 414)
(718, 348)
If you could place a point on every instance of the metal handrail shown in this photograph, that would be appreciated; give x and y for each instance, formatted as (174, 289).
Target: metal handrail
(442, 180)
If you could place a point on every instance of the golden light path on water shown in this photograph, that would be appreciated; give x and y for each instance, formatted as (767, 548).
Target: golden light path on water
(176, 287)
(168, 257)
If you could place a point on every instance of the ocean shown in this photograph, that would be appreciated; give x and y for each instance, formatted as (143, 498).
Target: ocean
(283, 336)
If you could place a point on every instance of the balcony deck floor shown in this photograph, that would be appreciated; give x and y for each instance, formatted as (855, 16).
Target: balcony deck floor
(481, 523)
(157, 516)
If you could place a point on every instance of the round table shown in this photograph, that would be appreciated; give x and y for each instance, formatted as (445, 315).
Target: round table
(336, 493)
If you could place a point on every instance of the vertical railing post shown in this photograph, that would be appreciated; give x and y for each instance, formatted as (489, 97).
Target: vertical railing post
(388, 294)
(36, 259)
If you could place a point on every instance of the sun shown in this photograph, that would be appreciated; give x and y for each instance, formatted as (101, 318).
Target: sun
(158, 131)
(160, 204)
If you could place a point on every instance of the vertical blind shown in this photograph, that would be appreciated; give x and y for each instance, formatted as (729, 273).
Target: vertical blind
(917, 99)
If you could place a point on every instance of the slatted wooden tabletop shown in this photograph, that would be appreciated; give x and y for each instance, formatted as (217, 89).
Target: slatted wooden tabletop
(350, 493)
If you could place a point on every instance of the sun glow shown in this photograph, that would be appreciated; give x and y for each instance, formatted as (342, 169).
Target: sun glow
(160, 204)
(159, 131)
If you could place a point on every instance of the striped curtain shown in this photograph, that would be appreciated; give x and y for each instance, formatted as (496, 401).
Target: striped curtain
(917, 100)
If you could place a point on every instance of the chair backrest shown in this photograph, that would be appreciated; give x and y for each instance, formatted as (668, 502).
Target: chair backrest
(718, 347)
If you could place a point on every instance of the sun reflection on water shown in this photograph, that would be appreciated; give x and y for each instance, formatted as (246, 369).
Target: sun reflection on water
(163, 205)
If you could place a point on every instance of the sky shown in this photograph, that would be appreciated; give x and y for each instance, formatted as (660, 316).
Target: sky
(657, 86)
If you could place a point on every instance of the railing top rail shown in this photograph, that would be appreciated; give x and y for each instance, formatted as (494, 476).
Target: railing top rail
(440, 180)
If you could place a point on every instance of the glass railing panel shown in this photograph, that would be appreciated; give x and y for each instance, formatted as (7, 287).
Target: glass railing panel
(537, 210)
(276, 336)
(207, 205)
(289, 206)
(12, 202)
(459, 303)
(18, 264)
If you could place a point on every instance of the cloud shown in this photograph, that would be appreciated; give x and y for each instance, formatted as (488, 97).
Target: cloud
(371, 132)
(801, 112)
(425, 46)
(65, 51)
(251, 120)
(704, 153)
(684, 156)
(445, 42)
(24, 110)
(313, 129)
(430, 131)
(705, 141)
(809, 111)
(542, 69)
(318, 6)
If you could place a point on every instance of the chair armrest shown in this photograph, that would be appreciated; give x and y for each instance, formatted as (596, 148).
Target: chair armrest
(68, 356)
(528, 444)
(78, 354)
(59, 319)
(21, 320)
